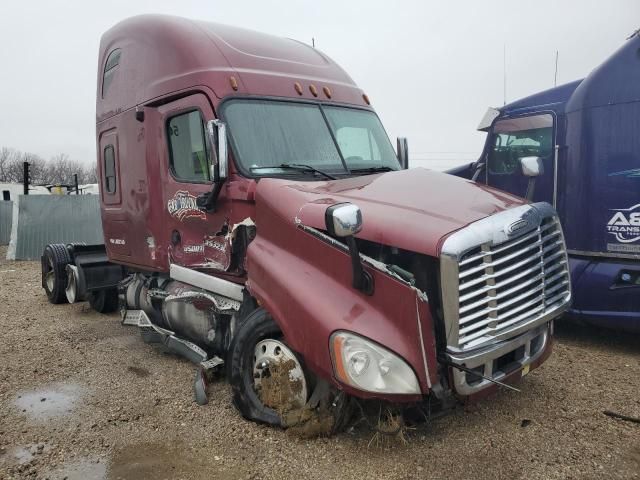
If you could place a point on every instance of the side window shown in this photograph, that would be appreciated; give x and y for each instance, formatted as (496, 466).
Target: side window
(6, 195)
(110, 67)
(187, 147)
(357, 144)
(515, 138)
(109, 159)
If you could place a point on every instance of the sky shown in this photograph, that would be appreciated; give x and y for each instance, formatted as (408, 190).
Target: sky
(430, 68)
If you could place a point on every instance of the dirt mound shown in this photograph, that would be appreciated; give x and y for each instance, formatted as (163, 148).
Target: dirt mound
(281, 392)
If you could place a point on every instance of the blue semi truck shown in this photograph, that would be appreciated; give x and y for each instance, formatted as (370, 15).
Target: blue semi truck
(577, 146)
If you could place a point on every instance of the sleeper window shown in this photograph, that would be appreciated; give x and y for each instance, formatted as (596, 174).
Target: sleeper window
(110, 67)
(187, 147)
(109, 169)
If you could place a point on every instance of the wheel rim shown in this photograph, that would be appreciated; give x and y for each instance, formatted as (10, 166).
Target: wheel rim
(72, 287)
(50, 275)
(272, 359)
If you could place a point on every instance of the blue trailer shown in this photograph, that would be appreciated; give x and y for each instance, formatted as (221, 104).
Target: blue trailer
(577, 146)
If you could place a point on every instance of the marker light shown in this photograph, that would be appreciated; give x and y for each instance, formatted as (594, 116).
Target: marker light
(365, 365)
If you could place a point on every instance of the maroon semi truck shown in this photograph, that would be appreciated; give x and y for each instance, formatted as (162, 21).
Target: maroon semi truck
(256, 214)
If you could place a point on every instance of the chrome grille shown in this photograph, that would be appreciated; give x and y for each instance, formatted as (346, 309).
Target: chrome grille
(504, 282)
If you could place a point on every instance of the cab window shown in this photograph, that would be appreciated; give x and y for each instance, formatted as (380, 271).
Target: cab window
(109, 169)
(515, 138)
(187, 147)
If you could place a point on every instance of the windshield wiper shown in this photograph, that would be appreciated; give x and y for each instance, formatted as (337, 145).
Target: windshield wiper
(372, 170)
(299, 167)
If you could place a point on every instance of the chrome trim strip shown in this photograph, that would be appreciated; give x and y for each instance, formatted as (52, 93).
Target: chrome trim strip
(320, 235)
(213, 284)
(555, 176)
(424, 353)
(614, 256)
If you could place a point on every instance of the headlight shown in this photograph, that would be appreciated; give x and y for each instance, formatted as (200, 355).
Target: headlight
(367, 366)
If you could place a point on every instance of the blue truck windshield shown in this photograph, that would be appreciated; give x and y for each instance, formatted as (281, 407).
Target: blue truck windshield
(266, 134)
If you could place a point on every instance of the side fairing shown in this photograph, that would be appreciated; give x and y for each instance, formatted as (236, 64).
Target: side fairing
(601, 201)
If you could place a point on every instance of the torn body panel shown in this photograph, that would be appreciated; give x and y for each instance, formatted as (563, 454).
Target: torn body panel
(306, 285)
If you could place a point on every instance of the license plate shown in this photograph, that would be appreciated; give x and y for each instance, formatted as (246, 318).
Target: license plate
(525, 370)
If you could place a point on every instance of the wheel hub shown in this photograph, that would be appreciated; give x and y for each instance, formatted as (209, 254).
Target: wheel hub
(49, 276)
(278, 376)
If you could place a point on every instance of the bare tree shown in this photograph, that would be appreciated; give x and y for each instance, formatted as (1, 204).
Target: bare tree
(11, 166)
(91, 173)
(59, 170)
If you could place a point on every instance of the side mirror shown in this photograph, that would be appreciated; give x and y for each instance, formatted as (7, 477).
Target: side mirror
(403, 152)
(532, 166)
(217, 131)
(343, 220)
(217, 136)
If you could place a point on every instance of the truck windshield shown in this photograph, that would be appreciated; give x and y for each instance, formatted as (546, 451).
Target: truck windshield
(520, 137)
(269, 135)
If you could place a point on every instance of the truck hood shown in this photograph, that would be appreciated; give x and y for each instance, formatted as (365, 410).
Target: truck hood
(410, 209)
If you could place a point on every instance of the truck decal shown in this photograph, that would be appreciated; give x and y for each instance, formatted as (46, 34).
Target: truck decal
(183, 205)
(193, 249)
(624, 225)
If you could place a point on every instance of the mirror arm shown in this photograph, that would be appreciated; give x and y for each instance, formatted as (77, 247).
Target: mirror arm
(402, 149)
(479, 168)
(531, 186)
(362, 280)
(207, 201)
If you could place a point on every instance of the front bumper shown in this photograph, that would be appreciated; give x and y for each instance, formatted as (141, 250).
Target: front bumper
(499, 360)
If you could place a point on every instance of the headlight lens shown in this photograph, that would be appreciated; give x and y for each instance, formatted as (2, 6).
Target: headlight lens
(367, 366)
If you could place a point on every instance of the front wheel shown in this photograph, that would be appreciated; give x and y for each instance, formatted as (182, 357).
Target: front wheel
(256, 331)
(271, 385)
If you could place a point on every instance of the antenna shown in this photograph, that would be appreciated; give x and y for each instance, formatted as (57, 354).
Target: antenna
(313, 42)
(555, 75)
(504, 69)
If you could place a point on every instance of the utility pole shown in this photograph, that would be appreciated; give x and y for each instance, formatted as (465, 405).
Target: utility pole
(75, 183)
(504, 70)
(25, 178)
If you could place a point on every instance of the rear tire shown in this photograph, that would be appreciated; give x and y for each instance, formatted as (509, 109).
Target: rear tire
(104, 301)
(54, 275)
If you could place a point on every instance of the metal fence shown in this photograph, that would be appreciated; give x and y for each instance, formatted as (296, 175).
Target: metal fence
(6, 214)
(44, 219)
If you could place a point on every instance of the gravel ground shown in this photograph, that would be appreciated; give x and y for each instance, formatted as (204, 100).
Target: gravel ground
(82, 397)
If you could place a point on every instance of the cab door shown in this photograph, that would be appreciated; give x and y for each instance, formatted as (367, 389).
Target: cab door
(514, 138)
(193, 237)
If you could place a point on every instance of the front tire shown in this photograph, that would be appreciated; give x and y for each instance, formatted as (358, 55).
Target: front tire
(54, 275)
(257, 326)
